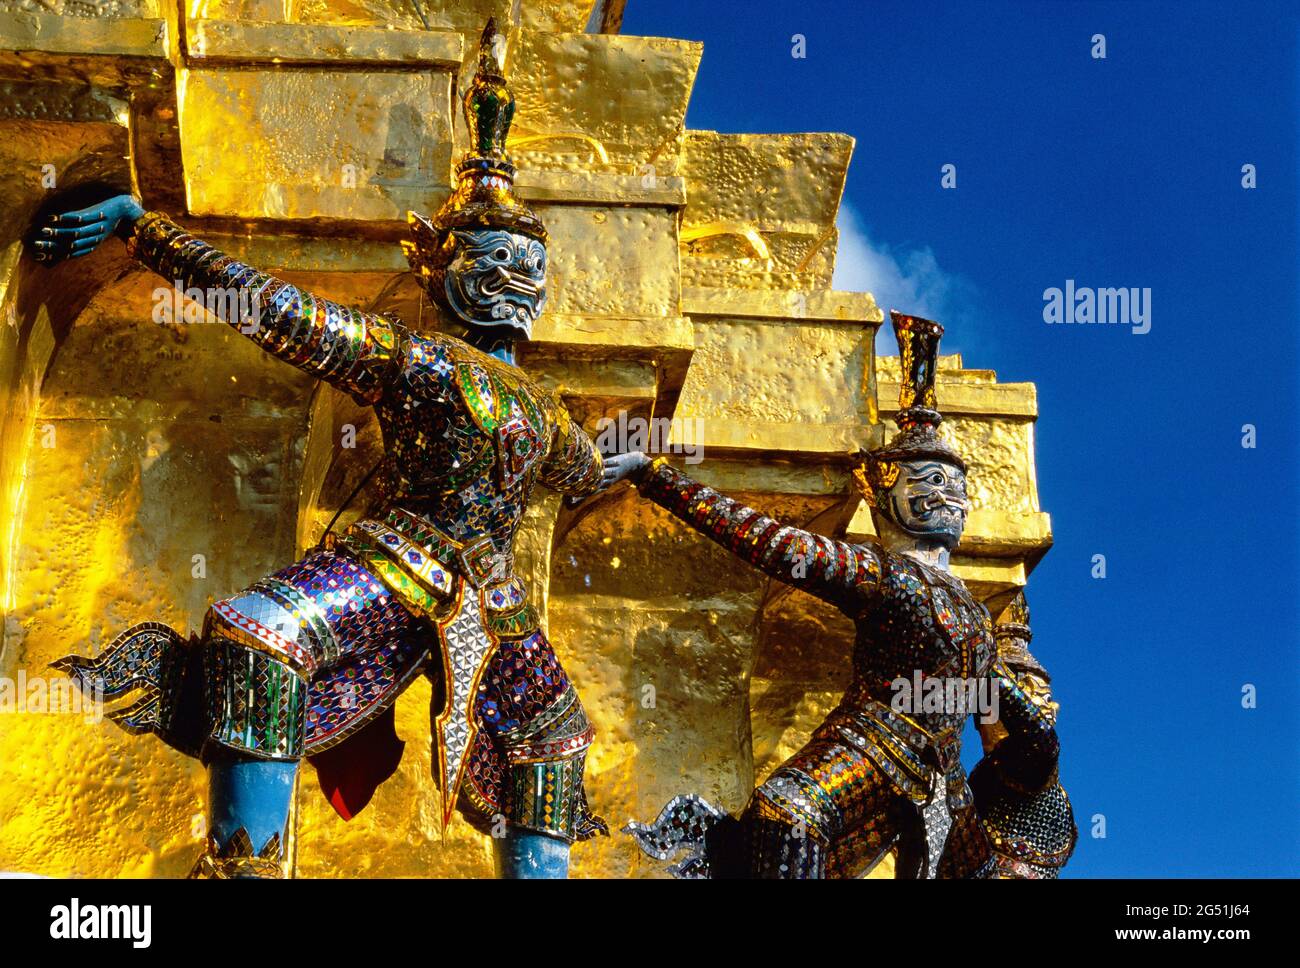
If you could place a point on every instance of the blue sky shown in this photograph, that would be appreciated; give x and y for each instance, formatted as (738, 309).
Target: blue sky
(1117, 172)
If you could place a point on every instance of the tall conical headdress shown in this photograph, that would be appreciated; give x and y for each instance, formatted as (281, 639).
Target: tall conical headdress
(1013, 635)
(1014, 622)
(485, 180)
(918, 410)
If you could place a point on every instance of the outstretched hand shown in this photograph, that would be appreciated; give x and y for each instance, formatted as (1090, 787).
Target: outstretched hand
(72, 234)
(621, 467)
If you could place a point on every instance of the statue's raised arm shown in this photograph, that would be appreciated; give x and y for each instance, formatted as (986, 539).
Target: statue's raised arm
(844, 574)
(353, 350)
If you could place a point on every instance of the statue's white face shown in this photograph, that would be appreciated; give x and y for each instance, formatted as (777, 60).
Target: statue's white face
(497, 279)
(929, 501)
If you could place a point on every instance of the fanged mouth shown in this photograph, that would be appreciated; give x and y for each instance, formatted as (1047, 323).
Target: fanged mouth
(943, 502)
(504, 281)
(520, 315)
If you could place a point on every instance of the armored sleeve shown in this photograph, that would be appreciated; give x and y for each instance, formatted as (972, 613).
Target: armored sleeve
(573, 464)
(352, 350)
(835, 571)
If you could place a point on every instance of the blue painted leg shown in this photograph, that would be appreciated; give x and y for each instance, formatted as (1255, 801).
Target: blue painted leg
(248, 801)
(525, 854)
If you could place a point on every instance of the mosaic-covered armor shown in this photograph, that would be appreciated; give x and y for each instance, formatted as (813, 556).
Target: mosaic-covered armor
(877, 773)
(309, 661)
(850, 786)
(1018, 795)
(310, 655)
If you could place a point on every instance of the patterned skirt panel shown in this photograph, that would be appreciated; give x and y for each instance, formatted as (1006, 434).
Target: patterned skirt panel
(526, 765)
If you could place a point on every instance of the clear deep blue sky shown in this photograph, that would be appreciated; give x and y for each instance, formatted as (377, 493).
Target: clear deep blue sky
(1117, 172)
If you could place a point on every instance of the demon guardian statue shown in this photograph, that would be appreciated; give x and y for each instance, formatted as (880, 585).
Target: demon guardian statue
(873, 776)
(312, 658)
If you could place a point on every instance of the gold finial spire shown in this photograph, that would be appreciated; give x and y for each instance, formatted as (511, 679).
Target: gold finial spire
(489, 104)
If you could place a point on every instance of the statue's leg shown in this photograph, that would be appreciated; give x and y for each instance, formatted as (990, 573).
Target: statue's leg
(262, 648)
(523, 854)
(252, 796)
(256, 705)
(532, 714)
(828, 811)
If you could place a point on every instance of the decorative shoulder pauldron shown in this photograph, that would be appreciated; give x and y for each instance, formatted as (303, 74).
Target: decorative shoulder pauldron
(483, 396)
(504, 404)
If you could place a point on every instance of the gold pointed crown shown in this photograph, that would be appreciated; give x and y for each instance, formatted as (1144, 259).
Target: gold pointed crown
(485, 180)
(918, 411)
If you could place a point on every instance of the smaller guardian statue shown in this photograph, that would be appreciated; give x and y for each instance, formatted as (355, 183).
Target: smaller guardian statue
(873, 777)
(1018, 794)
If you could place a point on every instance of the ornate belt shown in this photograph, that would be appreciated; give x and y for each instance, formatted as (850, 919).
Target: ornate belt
(431, 555)
(910, 755)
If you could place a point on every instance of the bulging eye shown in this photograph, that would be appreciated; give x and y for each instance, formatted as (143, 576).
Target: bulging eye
(936, 479)
(501, 254)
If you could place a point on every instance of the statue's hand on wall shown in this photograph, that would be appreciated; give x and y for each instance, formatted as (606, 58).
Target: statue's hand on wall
(622, 467)
(71, 234)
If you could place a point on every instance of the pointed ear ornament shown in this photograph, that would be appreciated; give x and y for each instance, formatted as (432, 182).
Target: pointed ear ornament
(874, 479)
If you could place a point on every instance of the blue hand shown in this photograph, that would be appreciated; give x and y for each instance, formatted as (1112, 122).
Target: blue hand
(618, 467)
(76, 233)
